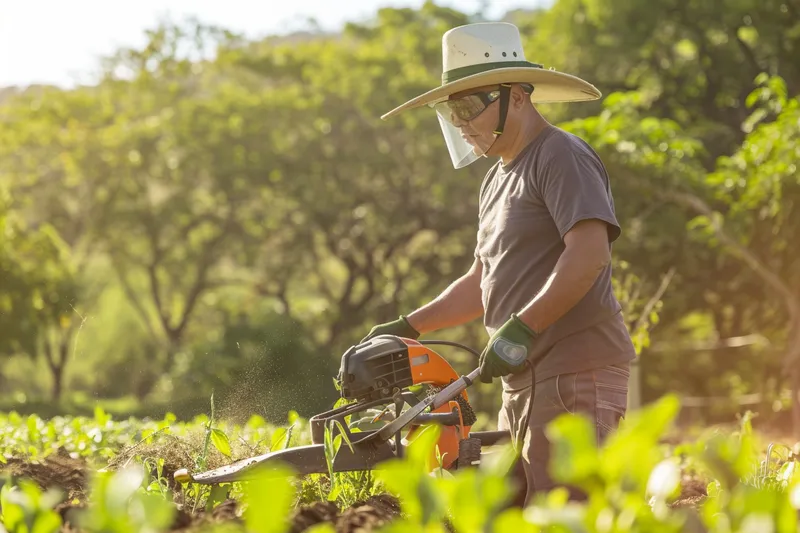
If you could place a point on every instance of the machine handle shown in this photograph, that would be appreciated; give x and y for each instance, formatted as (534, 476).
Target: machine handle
(446, 419)
(441, 398)
(454, 389)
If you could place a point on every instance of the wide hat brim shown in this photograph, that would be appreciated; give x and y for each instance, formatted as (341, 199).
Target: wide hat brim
(550, 86)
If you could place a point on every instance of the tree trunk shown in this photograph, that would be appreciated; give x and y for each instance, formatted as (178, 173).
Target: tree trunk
(58, 380)
(150, 376)
(57, 363)
(792, 367)
(796, 405)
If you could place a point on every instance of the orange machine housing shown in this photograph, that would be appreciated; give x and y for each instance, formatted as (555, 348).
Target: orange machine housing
(430, 368)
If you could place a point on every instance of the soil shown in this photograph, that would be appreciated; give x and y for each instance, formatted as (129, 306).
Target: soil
(58, 470)
(693, 492)
(72, 475)
(363, 516)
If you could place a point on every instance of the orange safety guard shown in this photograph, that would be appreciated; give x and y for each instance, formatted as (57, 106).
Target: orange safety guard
(429, 367)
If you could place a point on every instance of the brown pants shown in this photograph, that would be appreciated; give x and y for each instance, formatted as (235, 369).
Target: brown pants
(600, 393)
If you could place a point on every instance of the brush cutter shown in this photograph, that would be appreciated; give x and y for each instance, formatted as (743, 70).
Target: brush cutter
(382, 373)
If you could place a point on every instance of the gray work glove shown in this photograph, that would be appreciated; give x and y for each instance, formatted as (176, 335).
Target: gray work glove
(399, 327)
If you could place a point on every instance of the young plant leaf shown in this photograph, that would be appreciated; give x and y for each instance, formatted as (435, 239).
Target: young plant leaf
(268, 498)
(280, 438)
(220, 441)
(219, 493)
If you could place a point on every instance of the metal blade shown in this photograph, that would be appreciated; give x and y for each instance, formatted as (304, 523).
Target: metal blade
(302, 460)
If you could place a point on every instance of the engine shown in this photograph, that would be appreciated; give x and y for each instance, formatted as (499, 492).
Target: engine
(375, 369)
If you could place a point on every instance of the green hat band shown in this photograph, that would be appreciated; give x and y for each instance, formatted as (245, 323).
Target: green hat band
(462, 72)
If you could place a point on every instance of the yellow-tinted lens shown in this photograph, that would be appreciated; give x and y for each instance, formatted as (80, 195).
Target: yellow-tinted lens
(466, 108)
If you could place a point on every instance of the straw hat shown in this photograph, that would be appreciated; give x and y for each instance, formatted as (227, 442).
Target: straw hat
(490, 53)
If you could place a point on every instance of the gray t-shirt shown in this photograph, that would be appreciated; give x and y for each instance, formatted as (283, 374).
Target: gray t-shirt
(525, 209)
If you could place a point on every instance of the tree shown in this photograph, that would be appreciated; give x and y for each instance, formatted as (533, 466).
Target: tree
(38, 292)
(381, 220)
(162, 163)
(696, 61)
(761, 185)
(206, 174)
(746, 207)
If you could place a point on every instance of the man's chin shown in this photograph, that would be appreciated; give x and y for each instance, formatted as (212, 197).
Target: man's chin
(479, 147)
(487, 152)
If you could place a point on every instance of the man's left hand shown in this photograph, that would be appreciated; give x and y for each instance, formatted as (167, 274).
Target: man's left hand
(507, 350)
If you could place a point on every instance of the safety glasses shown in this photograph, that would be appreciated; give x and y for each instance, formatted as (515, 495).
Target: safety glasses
(467, 107)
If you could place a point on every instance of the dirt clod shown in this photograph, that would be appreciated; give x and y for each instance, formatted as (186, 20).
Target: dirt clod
(57, 470)
(361, 517)
(693, 492)
(225, 510)
(369, 515)
(315, 513)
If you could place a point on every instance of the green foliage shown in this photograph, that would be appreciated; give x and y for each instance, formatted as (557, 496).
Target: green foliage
(35, 437)
(641, 302)
(39, 291)
(121, 504)
(102, 437)
(269, 498)
(243, 219)
(695, 62)
(343, 488)
(622, 494)
(733, 218)
(25, 509)
(259, 356)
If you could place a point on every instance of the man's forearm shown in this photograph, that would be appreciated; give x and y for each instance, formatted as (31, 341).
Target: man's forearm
(574, 274)
(458, 304)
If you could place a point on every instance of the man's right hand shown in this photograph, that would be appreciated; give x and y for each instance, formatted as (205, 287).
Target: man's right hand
(399, 327)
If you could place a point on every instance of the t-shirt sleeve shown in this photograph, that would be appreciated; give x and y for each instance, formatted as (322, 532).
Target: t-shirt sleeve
(574, 187)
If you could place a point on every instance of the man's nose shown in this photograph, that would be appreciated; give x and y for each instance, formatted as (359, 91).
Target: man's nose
(464, 126)
(457, 122)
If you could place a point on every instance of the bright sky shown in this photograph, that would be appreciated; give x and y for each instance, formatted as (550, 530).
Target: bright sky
(60, 42)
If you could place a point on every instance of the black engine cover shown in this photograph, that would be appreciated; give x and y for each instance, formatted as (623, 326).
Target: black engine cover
(374, 369)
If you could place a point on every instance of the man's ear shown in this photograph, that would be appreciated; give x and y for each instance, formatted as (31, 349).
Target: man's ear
(518, 97)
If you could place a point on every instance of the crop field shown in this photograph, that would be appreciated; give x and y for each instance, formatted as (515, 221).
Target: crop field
(226, 206)
(99, 474)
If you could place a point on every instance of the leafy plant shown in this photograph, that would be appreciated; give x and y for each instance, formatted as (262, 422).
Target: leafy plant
(24, 508)
(331, 445)
(268, 497)
(120, 503)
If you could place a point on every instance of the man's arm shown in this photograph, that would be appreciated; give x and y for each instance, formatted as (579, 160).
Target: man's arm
(458, 304)
(586, 254)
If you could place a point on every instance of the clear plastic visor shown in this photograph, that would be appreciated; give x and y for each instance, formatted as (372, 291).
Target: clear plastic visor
(464, 147)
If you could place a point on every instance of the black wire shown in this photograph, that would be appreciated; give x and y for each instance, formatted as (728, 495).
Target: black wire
(529, 407)
(450, 343)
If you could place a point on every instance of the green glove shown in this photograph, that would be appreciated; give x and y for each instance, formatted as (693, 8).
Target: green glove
(399, 327)
(507, 350)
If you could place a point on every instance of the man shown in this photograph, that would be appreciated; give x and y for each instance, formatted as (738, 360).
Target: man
(542, 271)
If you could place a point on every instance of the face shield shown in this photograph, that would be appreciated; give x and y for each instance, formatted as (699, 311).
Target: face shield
(466, 142)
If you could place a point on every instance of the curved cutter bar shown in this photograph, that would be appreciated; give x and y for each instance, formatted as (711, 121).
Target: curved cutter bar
(301, 460)
(310, 459)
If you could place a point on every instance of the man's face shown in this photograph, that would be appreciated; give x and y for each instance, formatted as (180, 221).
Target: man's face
(479, 131)
(470, 118)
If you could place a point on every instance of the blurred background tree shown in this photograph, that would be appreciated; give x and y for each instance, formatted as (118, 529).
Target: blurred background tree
(230, 215)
